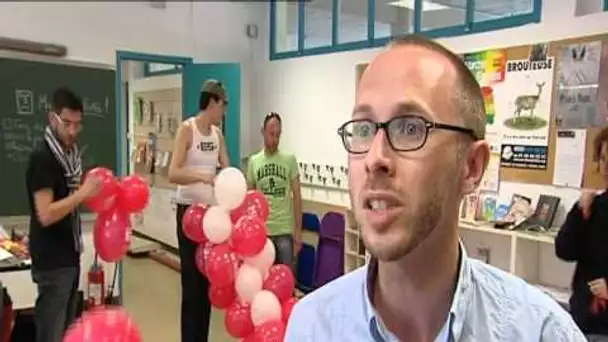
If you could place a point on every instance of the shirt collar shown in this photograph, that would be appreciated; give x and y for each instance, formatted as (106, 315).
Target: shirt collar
(457, 309)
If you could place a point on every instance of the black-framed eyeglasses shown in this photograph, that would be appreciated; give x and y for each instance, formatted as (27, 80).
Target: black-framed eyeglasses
(405, 133)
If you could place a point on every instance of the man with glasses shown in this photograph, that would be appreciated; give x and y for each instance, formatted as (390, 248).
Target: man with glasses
(276, 175)
(54, 193)
(198, 150)
(415, 148)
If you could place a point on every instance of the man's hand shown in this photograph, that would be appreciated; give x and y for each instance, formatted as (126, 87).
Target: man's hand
(90, 187)
(585, 202)
(297, 246)
(598, 288)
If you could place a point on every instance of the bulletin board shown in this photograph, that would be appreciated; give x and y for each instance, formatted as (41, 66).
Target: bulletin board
(555, 50)
(157, 115)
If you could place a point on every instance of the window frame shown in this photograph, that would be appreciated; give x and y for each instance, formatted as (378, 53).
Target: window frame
(469, 27)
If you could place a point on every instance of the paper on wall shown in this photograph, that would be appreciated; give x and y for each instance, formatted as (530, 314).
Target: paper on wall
(491, 178)
(569, 158)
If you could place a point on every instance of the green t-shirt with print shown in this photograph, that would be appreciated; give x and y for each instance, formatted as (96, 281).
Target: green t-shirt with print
(273, 175)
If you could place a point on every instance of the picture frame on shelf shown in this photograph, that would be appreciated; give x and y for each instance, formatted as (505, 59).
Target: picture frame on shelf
(544, 214)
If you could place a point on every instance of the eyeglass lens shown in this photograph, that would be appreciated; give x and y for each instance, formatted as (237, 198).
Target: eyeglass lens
(403, 133)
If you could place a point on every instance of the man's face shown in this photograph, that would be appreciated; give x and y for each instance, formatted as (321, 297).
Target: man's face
(401, 197)
(217, 109)
(68, 125)
(272, 134)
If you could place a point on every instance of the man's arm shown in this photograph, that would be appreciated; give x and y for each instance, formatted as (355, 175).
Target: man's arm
(296, 189)
(41, 184)
(223, 155)
(250, 174)
(177, 173)
(569, 242)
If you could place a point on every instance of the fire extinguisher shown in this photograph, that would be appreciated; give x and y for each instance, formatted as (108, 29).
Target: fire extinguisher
(95, 285)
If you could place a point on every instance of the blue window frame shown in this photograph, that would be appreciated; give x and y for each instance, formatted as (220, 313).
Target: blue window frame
(605, 5)
(304, 28)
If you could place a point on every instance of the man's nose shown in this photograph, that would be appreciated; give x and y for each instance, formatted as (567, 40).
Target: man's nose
(380, 157)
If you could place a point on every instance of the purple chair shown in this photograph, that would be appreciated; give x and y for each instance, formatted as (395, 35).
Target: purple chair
(330, 251)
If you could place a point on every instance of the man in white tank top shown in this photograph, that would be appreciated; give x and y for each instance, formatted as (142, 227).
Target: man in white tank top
(199, 149)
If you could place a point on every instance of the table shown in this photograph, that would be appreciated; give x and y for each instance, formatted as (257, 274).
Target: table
(16, 277)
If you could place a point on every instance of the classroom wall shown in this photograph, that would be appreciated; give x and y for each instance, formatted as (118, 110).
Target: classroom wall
(315, 94)
(93, 31)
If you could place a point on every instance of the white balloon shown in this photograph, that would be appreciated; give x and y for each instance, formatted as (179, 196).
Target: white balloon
(217, 225)
(248, 283)
(263, 260)
(230, 188)
(265, 307)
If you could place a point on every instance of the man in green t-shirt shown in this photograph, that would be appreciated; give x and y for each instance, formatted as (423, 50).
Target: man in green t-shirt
(276, 175)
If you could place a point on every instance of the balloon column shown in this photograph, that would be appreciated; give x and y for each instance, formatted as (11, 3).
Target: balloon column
(237, 257)
(113, 204)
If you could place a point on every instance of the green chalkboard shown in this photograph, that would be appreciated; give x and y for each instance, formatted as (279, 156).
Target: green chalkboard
(26, 89)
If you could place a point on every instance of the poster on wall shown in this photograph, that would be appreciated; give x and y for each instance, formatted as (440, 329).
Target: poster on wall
(523, 112)
(577, 91)
(491, 178)
(602, 108)
(488, 67)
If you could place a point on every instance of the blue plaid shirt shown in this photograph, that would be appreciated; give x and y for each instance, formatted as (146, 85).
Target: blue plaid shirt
(488, 305)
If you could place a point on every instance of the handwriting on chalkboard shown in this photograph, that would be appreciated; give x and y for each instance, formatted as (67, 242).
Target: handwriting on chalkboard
(19, 138)
(28, 103)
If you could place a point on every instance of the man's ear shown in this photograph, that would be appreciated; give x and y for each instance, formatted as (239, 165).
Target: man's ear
(476, 162)
(53, 118)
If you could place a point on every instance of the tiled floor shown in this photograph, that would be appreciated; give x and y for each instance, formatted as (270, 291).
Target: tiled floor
(152, 297)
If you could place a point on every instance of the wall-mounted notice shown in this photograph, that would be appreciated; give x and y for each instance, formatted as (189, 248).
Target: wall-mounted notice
(569, 158)
(579, 77)
(523, 111)
(491, 178)
(488, 67)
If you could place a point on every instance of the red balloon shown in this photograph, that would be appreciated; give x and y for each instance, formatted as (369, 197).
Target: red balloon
(222, 296)
(287, 307)
(192, 223)
(249, 236)
(249, 338)
(222, 265)
(107, 196)
(280, 281)
(134, 194)
(200, 257)
(103, 324)
(112, 234)
(273, 331)
(238, 320)
(254, 204)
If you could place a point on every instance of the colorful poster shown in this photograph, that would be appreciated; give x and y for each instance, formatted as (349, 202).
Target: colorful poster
(578, 76)
(488, 67)
(523, 111)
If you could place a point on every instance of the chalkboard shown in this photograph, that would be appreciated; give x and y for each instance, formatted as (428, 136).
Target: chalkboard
(26, 89)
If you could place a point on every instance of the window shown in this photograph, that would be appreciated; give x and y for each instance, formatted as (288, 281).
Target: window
(304, 27)
(584, 7)
(284, 17)
(318, 23)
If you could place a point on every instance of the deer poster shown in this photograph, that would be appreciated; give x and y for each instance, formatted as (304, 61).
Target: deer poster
(523, 112)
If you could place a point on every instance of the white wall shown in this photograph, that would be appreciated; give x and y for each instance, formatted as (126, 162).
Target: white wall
(315, 94)
(93, 31)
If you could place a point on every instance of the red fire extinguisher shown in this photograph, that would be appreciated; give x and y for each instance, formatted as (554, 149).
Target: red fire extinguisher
(95, 285)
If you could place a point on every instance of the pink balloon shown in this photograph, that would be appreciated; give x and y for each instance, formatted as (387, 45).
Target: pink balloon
(255, 204)
(238, 320)
(112, 234)
(222, 265)
(264, 259)
(134, 194)
(287, 308)
(192, 223)
(272, 331)
(107, 196)
(265, 307)
(280, 281)
(249, 236)
(201, 255)
(248, 282)
(102, 325)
